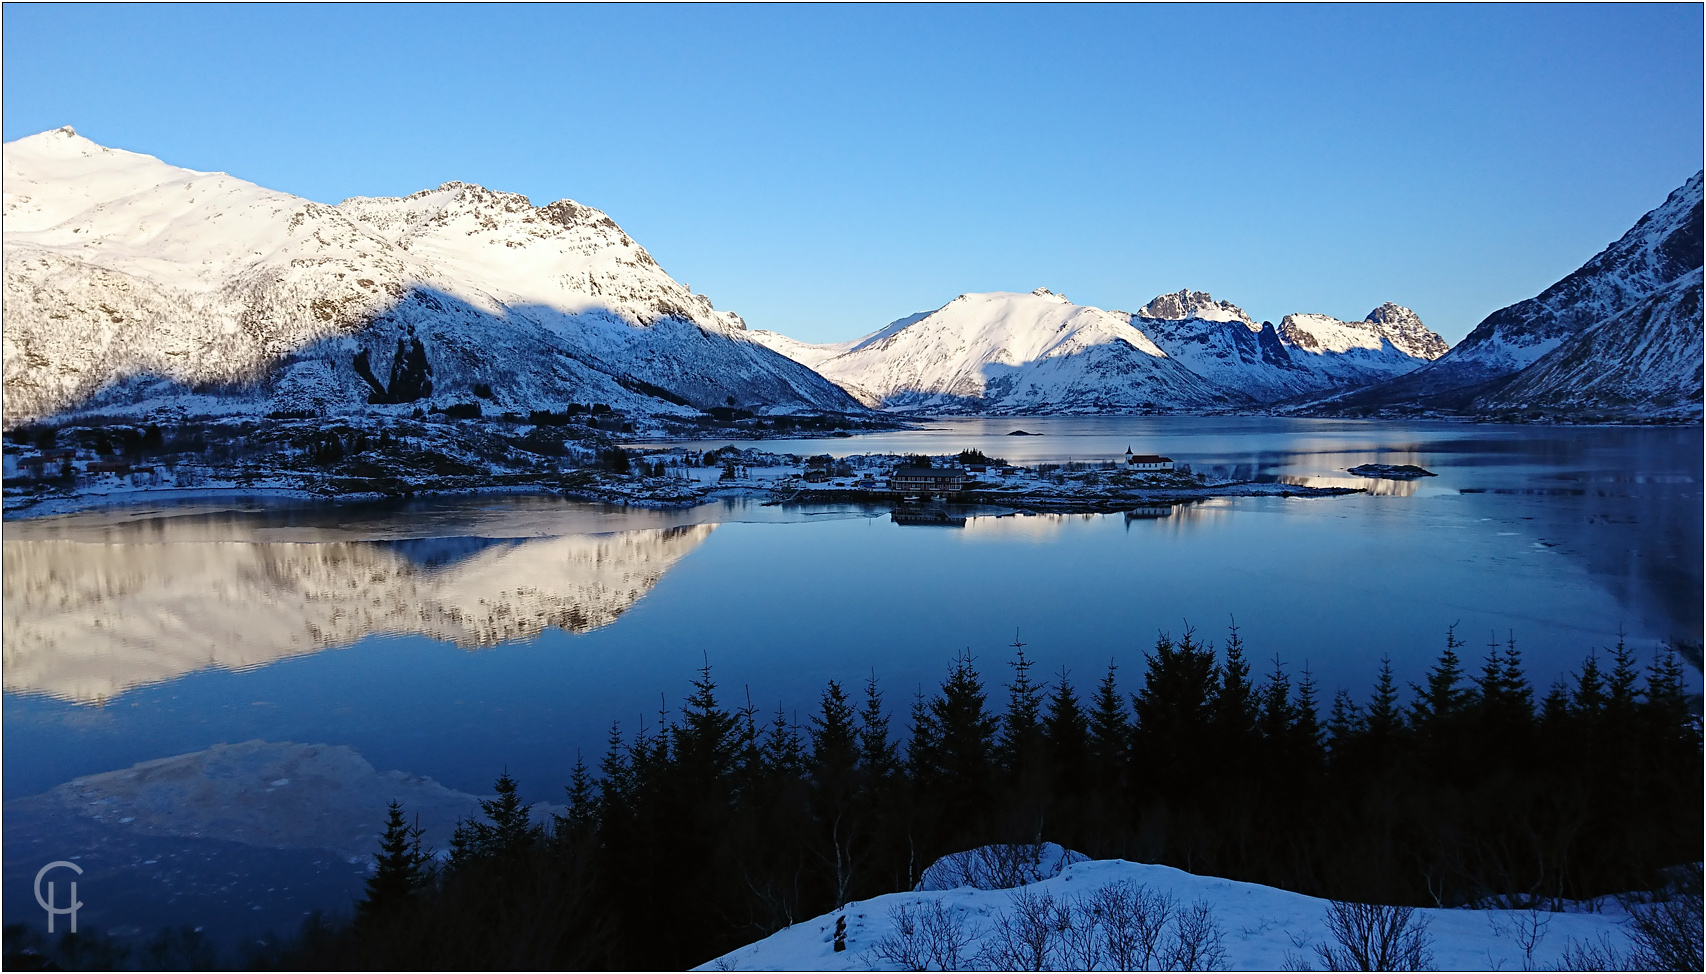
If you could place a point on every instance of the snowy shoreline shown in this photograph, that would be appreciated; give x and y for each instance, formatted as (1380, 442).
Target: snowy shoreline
(639, 495)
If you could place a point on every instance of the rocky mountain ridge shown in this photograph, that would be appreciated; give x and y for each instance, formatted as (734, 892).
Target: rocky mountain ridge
(138, 285)
(1006, 352)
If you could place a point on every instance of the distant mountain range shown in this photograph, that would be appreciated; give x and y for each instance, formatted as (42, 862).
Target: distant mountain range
(1005, 352)
(136, 287)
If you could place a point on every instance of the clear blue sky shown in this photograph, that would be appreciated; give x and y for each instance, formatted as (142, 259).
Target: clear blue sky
(823, 170)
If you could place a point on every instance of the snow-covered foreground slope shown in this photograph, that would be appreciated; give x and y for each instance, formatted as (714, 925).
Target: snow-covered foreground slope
(1639, 362)
(1259, 927)
(129, 281)
(1005, 352)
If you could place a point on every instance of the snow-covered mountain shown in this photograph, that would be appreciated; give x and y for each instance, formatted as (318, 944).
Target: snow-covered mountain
(1307, 353)
(1006, 352)
(1637, 360)
(129, 281)
(1646, 359)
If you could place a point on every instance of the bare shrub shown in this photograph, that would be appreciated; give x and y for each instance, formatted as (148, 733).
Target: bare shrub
(1079, 932)
(947, 932)
(1197, 943)
(1372, 937)
(999, 866)
(1585, 955)
(1132, 917)
(1526, 926)
(1024, 934)
(905, 947)
(1667, 932)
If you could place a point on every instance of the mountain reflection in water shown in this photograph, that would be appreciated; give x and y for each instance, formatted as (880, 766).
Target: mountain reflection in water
(86, 621)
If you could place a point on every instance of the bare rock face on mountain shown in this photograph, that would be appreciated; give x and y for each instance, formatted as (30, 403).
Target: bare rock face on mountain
(1185, 304)
(1615, 334)
(1404, 329)
(131, 284)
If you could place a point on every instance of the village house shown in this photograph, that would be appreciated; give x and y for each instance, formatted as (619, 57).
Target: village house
(1148, 462)
(51, 463)
(927, 480)
(118, 468)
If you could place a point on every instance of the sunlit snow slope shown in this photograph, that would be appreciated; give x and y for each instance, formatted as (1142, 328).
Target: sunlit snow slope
(1006, 352)
(131, 282)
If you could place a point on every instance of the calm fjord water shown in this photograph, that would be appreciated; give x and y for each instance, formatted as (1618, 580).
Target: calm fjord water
(454, 638)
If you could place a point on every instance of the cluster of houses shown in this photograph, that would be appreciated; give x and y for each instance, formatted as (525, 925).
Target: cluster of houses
(58, 464)
(951, 479)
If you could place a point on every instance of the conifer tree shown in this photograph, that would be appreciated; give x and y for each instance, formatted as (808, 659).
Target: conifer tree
(1665, 705)
(783, 755)
(401, 868)
(1067, 731)
(960, 749)
(1385, 719)
(1021, 726)
(878, 756)
(925, 742)
(1441, 699)
(835, 740)
(1235, 705)
(1587, 703)
(1110, 733)
(582, 816)
(1620, 693)
(1173, 710)
(1306, 719)
(1505, 703)
(507, 833)
(1276, 713)
(511, 831)
(1345, 724)
(706, 742)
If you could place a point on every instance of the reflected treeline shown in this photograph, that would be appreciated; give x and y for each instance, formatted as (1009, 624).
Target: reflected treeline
(85, 621)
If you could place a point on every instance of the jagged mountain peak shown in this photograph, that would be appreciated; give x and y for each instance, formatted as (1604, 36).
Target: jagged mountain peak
(1185, 303)
(1388, 328)
(1404, 329)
